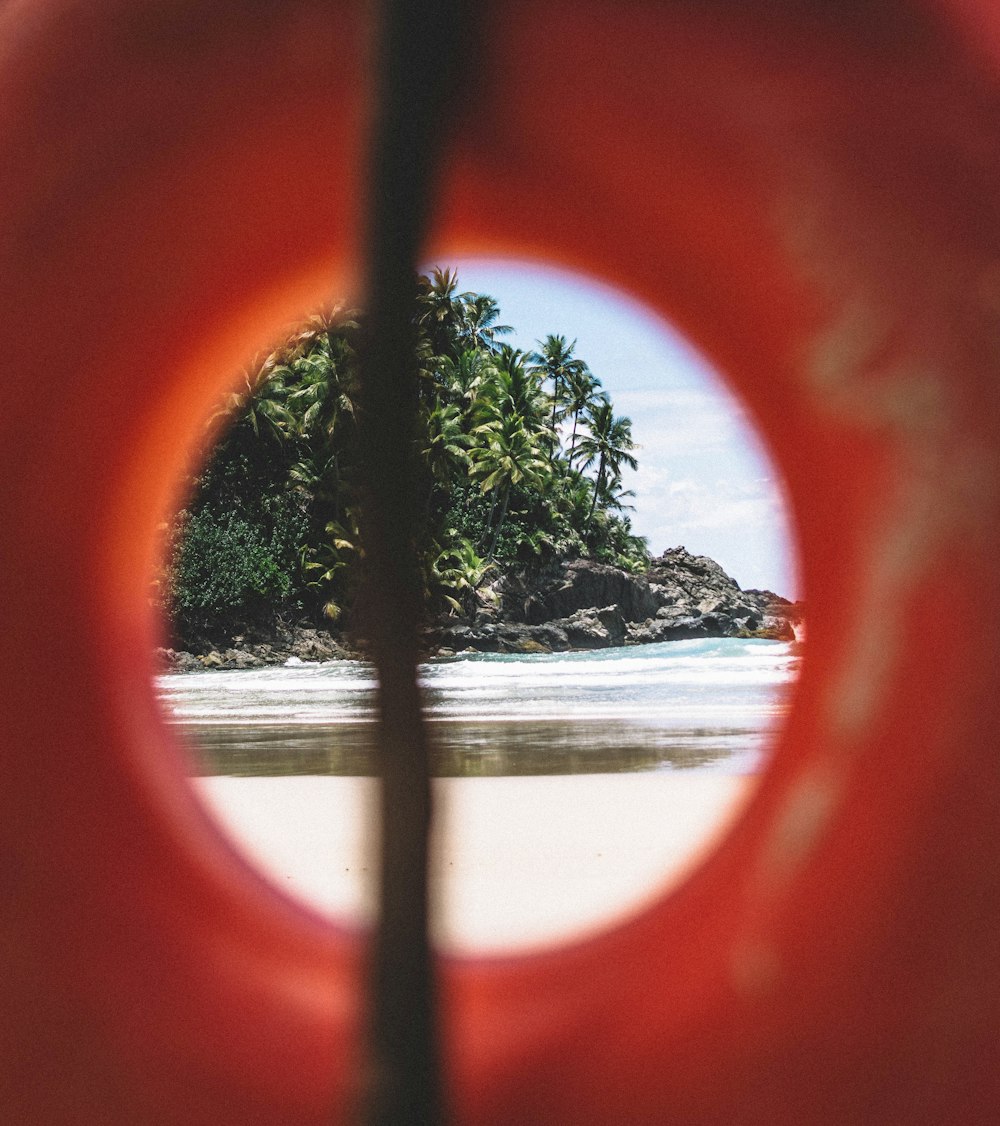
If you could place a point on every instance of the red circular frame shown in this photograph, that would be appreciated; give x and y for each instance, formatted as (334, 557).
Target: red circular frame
(812, 199)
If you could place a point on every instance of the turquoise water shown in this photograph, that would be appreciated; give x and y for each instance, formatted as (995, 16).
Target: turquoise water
(707, 703)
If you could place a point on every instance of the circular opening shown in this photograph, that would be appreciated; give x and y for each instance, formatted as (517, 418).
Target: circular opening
(598, 718)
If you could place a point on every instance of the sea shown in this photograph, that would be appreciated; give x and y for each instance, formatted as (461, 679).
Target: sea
(703, 704)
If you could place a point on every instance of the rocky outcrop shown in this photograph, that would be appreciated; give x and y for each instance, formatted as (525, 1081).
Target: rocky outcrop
(679, 629)
(578, 605)
(594, 628)
(696, 598)
(695, 587)
(586, 605)
(283, 643)
(584, 585)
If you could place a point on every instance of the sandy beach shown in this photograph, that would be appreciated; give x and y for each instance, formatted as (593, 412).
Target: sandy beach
(521, 862)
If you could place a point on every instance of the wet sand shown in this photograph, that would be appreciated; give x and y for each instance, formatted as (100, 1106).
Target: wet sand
(521, 861)
(470, 748)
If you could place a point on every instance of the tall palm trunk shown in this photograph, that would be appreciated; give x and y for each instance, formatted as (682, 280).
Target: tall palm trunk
(598, 486)
(555, 437)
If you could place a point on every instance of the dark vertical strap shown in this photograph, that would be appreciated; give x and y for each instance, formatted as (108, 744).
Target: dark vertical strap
(420, 50)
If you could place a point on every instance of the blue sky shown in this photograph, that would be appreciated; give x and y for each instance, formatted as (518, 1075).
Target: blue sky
(704, 480)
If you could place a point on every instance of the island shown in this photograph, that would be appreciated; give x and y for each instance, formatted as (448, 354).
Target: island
(526, 544)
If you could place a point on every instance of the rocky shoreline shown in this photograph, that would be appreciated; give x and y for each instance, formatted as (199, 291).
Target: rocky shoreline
(578, 605)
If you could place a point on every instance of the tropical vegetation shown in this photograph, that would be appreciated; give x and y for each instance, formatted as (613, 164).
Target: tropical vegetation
(521, 456)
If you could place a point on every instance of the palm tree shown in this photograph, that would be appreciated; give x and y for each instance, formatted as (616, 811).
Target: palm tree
(323, 393)
(613, 495)
(505, 472)
(445, 442)
(582, 396)
(550, 527)
(609, 443)
(555, 360)
(457, 573)
(508, 456)
(440, 310)
(516, 389)
(318, 477)
(574, 501)
(323, 563)
(260, 402)
(462, 378)
(478, 328)
(318, 368)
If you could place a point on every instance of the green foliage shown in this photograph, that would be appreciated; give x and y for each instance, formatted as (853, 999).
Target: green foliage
(521, 454)
(457, 575)
(326, 568)
(234, 565)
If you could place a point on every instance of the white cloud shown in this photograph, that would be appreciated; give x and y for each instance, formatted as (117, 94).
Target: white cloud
(674, 507)
(683, 422)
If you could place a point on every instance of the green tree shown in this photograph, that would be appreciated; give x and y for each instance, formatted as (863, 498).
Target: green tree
(555, 360)
(583, 395)
(326, 566)
(259, 405)
(236, 563)
(508, 456)
(445, 442)
(461, 379)
(609, 443)
(440, 311)
(515, 389)
(457, 574)
(478, 329)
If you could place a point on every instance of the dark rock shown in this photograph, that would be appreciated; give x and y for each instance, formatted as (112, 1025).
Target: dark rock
(670, 595)
(594, 629)
(314, 645)
(517, 639)
(778, 616)
(672, 614)
(548, 635)
(584, 585)
(461, 638)
(695, 575)
(501, 637)
(176, 660)
(575, 605)
(768, 597)
(449, 634)
(256, 645)
(783, 632)
(583, 605)
(240, 659)
(695, 584)
(528, 645)
(715, 625)
(675, 629)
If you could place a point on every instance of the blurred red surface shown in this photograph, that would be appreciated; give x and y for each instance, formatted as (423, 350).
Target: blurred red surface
(809, 192)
